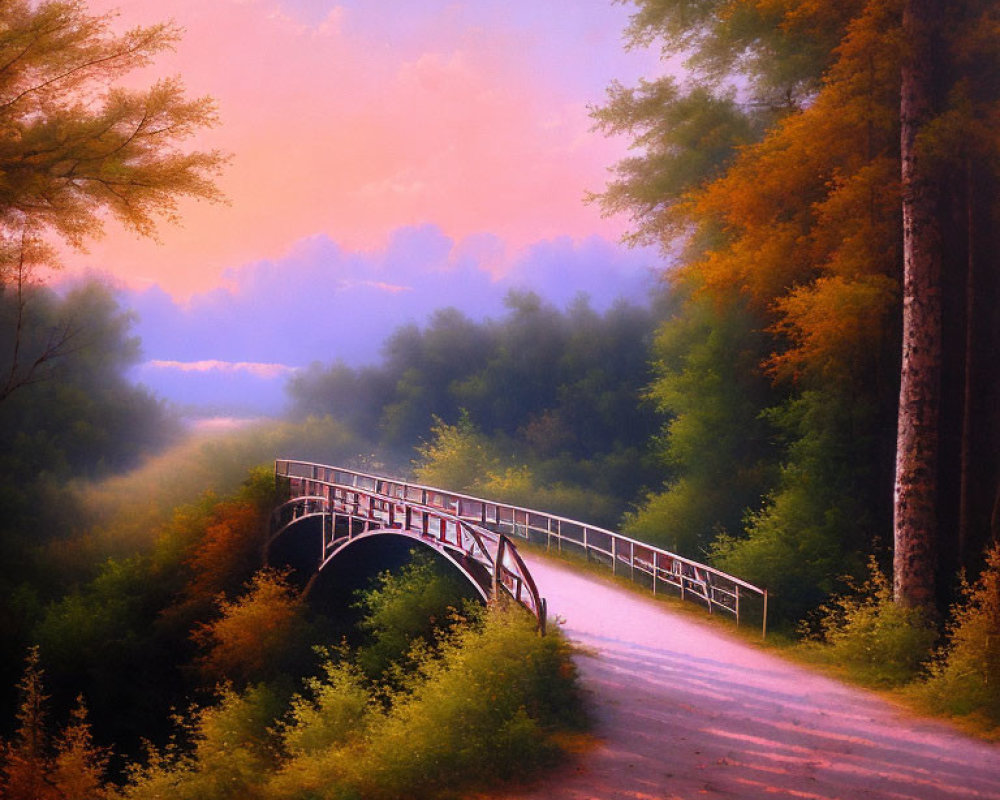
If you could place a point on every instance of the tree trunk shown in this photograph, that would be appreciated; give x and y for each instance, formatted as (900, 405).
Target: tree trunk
(917, 438)
(969, 371)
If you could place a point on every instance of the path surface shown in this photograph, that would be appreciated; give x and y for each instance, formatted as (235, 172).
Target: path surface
(684, 712)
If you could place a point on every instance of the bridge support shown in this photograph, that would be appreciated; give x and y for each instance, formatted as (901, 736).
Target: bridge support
(489, 561)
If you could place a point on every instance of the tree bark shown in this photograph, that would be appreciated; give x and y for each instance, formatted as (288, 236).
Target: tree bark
(917, 437)
(968, 388)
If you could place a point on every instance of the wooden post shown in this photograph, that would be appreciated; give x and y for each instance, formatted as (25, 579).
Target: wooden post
(497, 566)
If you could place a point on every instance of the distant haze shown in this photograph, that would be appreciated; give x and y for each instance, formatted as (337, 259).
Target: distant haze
(387, 159)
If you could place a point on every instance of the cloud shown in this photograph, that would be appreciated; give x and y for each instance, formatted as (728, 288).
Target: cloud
(352, 120)
(325, 302)
(257, 369)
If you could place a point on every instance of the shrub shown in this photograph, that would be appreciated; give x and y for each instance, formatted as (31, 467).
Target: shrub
(880, 641)
(482, 704)
(258, 637)
(481, 707)
(418, 602)
(965, 677)
(33, 766)
(231, 752)
(334, 710)
(481, 711)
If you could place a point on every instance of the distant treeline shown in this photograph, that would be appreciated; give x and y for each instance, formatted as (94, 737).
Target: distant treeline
(556, 393)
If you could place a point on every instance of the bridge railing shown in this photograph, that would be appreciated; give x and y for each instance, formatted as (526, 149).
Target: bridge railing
(324, 491)
(695, 581)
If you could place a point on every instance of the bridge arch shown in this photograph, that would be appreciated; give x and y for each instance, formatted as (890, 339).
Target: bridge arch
(473, 572)
(345, 516)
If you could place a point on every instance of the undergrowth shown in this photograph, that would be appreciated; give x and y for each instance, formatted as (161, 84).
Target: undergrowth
(964, 676)
(480, 698)
(876, 641)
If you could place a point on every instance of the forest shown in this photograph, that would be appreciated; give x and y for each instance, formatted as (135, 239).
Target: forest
(810, 401)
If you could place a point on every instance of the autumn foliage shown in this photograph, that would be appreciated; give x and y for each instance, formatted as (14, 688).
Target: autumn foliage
(34, 767)
(257, 636)
(775, 173)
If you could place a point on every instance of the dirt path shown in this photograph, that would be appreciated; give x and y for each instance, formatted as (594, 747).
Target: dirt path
(685, 712)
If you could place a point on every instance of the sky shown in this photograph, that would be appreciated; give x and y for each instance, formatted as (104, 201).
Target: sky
(387, 158)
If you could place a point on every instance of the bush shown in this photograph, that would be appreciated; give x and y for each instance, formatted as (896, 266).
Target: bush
(878, 640)
(417, 603)
(965, 677)
(484, 704)
(260, 636)
(483, 710)
(231, 753)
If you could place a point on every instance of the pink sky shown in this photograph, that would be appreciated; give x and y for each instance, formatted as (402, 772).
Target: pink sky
(354, 119)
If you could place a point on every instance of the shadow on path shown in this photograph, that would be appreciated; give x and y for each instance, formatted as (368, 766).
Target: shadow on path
(683, 711)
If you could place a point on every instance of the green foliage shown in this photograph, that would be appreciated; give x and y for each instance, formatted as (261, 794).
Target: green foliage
(583, 500)
(463, 459)
(715, 443)
(122, 635)
(230, 753)
(81, 416)
(819, 517)
(556, 392)
(417, 604)
(965, 677)
(335, 710)
(482, 706)
(688, 134)
(879, 641)
(688, 138)
(781, 47)
(87, 634)
(479, 708)
(456, 457)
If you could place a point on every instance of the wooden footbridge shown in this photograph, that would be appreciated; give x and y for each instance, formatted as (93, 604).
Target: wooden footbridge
(478, 535)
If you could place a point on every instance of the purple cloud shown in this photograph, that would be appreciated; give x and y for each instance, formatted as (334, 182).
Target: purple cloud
(324, 303)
